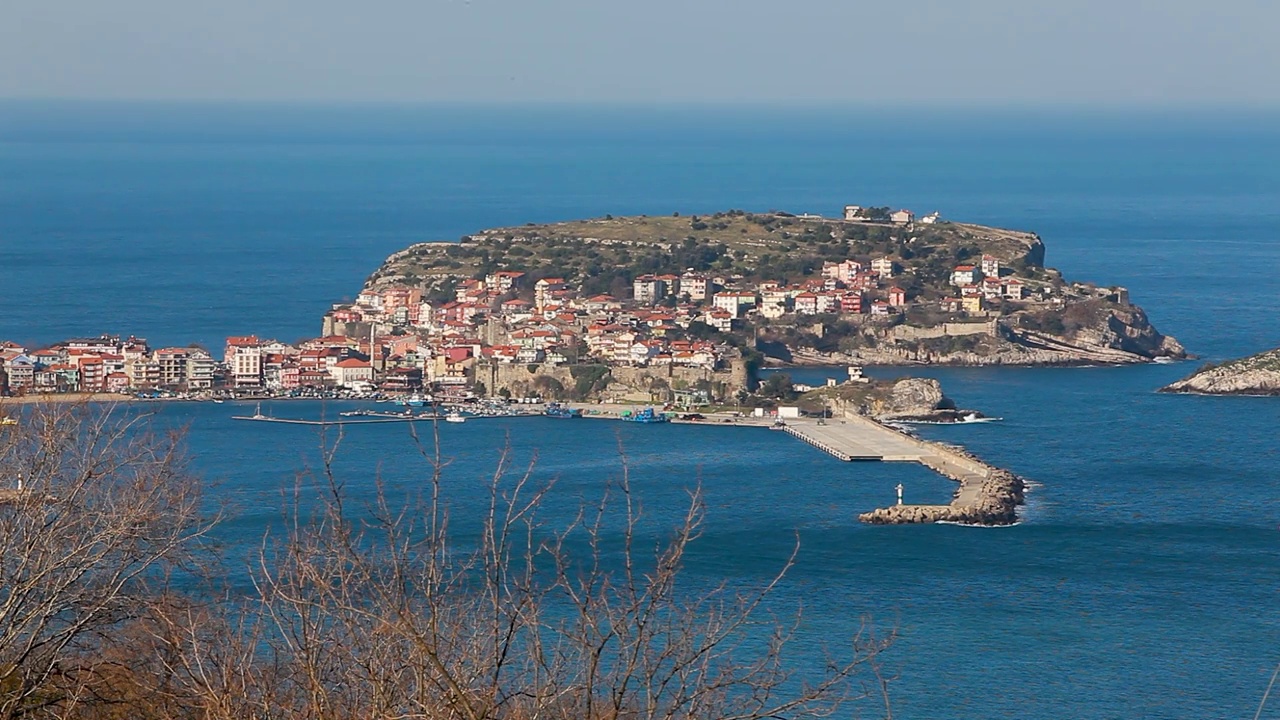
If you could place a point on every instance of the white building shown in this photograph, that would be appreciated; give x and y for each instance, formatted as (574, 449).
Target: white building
(965, 275)
(883, 266)
(696, 285)
(990, 266)
(844, 271)
(352, 373)
(733, 302)
(243, 357)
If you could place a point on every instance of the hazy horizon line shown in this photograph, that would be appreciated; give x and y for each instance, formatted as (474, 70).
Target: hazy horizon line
(790, 105)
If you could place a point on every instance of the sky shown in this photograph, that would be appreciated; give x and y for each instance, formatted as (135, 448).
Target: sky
(1022, 52)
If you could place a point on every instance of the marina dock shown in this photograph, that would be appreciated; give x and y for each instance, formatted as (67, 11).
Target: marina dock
(326, 423)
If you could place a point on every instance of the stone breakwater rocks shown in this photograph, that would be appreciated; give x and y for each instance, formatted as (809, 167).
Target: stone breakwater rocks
(990, 500)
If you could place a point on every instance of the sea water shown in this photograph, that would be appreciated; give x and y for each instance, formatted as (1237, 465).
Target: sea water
(1143, 579)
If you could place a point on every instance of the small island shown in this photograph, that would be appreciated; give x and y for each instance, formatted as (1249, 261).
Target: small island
(1254, 375)
(672, 303)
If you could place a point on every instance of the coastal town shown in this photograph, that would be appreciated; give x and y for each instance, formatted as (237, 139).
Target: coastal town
(693, 336)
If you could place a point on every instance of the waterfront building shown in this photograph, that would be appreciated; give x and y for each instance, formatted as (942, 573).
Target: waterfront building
(21, 370)
(93, 378)
(118, 382)
(143, 373)
(201, 368)
(173, 366)
(902, 217)
(352, 373)
(243, 357)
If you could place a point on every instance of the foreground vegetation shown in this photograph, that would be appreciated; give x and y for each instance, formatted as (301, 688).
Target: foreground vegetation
(113, 601)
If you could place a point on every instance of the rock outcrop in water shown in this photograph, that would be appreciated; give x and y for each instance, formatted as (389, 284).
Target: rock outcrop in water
(1255, 375)
(907, 399)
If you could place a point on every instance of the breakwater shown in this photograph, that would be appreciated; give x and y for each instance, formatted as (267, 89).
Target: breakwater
(986, 495)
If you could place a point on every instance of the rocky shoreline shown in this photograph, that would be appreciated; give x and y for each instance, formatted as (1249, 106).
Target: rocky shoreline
(989, 497)
(1256, 375)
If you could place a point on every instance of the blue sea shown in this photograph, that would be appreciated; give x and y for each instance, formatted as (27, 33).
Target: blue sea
(1144, 580)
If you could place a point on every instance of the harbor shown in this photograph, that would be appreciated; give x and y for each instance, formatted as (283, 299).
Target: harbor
(985, 495)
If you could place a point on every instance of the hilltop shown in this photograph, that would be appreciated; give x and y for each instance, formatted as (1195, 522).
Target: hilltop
(1254, 375)
(871, 287)
(605, 254)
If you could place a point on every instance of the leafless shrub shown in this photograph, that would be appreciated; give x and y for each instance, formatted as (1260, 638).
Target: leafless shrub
(386, 608)
(388, 611)
(95, 511)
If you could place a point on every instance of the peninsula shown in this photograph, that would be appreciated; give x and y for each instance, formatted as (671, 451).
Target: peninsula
(681, 298)
(1254, 375)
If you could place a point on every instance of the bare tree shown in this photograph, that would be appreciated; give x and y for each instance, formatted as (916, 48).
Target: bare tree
(382, 608)
(95, 511)
(385, 610)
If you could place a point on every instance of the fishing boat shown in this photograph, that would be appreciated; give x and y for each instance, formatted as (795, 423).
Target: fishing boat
(455, 417)
(414, 400)
(563, 412)
(647, 415)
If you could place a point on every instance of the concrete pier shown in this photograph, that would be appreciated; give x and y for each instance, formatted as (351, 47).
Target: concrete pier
(986, 495)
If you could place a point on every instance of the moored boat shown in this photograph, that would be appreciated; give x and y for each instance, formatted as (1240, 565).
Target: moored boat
(564, 412)
(647, 415)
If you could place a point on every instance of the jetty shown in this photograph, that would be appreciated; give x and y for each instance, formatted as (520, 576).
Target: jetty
(986, 495)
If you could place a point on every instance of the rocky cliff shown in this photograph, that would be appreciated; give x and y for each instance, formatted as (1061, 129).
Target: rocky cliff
(919, 399)
(1089, 333)
(1255, 375)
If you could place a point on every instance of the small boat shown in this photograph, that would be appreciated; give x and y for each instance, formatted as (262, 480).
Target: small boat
(455, 417)
(414, 401)
(647, 415)
(218, 401)
(257, 413)
(563, 412)
(8, 421)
